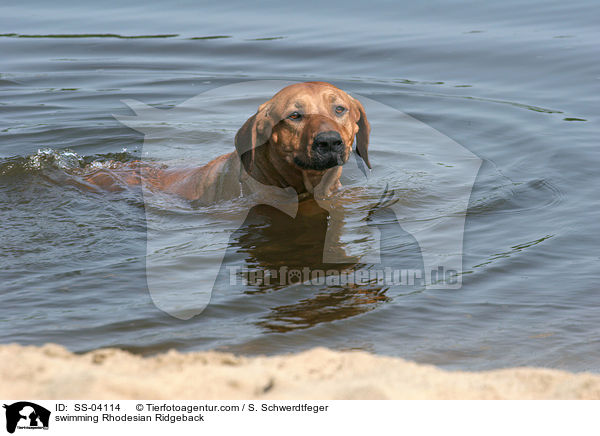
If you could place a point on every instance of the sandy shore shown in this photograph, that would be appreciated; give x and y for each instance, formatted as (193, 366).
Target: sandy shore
(52, 372)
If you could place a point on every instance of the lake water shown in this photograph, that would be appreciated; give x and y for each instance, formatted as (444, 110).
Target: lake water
(515, 84)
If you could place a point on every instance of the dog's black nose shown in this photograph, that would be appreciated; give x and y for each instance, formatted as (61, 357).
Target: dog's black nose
(328, 141)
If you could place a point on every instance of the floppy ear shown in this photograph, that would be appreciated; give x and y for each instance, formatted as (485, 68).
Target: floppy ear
(254, 133)
(362, 136)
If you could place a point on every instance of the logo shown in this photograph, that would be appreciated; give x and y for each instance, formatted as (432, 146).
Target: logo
(26, 415)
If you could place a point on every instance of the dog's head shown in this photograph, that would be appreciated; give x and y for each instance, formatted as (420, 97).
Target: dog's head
(311, 126)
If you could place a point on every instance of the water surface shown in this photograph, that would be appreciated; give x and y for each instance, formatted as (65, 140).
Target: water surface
(516, 84)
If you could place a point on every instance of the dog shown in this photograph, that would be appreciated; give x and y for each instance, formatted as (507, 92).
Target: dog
(300, 138)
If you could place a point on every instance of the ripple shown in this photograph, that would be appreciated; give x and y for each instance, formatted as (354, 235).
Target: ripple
(68, 160)
(517, 197)
(513, 250)
(89, 35)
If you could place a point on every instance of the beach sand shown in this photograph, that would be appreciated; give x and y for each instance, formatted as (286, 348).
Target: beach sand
(52, 372)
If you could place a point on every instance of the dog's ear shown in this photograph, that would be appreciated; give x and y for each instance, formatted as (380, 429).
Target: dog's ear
(364, 129)
(255, 132)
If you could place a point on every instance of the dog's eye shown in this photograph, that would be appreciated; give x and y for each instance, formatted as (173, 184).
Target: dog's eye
(340, 110)
(295, 116)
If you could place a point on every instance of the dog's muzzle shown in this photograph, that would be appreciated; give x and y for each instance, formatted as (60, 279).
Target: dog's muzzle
(327, 151)
(328, 142)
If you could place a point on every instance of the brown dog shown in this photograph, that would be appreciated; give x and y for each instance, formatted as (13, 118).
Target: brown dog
(300, 138)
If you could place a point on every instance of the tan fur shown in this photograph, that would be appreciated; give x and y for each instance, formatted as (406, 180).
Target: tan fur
(266, 145)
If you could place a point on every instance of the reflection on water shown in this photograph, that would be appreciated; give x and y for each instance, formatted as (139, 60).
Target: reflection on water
(271, 240)
(335, 304)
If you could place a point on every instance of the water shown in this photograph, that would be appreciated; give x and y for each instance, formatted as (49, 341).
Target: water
(516, 84)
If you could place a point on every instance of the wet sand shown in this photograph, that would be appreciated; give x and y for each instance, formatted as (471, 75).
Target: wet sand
(52, 372)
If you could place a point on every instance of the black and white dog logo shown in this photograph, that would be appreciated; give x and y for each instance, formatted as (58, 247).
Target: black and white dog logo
(26, 415)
